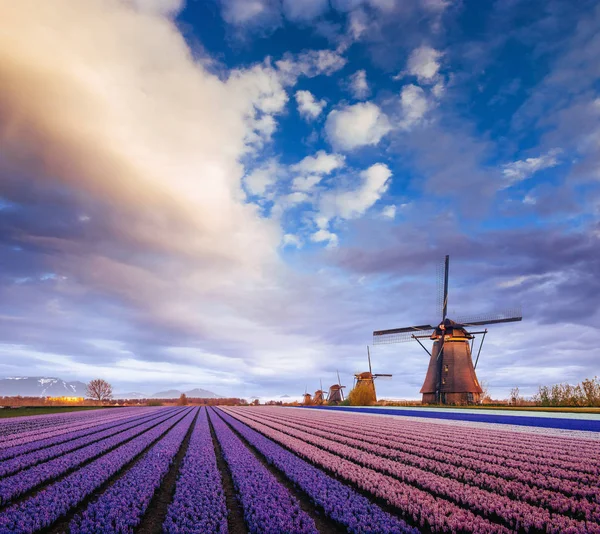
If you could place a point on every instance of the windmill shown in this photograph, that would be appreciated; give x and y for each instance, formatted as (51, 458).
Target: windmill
(307, 398)
(367, 379)
(318, 397)
(450, 377)
(336, 393)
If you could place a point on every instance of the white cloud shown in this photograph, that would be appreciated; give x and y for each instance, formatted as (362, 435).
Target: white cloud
(261, 180)
(358, 85)
(323, 235)
(291, 240)
(424, 63)
(389, 212)
(304, 10)
(311, 63)
(320, 163)
(306, 183)
(242, 12)
(414, 105)
(308, 107)
(351, 204)
(355, 126)
(520, 170)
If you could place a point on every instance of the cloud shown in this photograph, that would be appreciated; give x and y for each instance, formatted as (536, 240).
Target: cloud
(322, 235)
(353, 203)
(262, 179)
(424, 63)
(320, 163)
(358, 125)
(308, 107)
(358, 85)
(291, 240)
(520, 170)
(310, 63)
(306, 183)
(251, 12)
(414, 104)
(389, 212)
(304, 10)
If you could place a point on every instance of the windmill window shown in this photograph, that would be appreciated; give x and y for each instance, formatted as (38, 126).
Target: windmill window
(446, 368)
(443, 380)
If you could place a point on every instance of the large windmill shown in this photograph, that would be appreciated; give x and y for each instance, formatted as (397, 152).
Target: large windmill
(336, 392)
(367, 379)
(451, 375)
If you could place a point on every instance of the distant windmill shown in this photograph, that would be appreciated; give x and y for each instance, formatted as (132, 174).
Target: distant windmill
(336, 392)
(307, 397)
(319, 396)
(451, 375)
(367, 379)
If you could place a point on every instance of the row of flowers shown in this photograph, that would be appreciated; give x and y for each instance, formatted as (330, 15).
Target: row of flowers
(511, 447)
(26, 480)
(198, 505)
(121, 507)
(48, 429)
(340, 503)
(556, 492)
(269, 508)
(47, 506)
(515, 515)
(67, 443)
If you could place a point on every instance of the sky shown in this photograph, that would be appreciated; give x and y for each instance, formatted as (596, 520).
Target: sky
(233, 194)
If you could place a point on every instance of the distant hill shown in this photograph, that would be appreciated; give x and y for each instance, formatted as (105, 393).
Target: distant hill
(198, 393)
(40, 386)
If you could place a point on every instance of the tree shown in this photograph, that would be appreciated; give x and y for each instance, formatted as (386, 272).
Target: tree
(183, 400)
(99, 390)
(515, 396)
(363, 394)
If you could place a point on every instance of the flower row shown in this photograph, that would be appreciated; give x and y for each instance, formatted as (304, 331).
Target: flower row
(268, 506)
(121, 507)
(198, 505)
(24, 481)
(67, 444)
(340, 503)
(514, 514)
(47, 506)
(555, 492)
(421, 507)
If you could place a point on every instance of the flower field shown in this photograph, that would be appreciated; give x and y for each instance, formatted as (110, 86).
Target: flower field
(286, 470)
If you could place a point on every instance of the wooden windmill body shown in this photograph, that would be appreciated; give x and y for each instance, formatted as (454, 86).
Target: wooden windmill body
(336, 392)
(319, 396)
(450, 377)
(307, 399)
(367, 379)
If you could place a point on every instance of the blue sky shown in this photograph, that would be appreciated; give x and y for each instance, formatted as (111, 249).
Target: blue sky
(233, 194)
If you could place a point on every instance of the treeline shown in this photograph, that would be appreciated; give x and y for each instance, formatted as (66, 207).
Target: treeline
(587, 393)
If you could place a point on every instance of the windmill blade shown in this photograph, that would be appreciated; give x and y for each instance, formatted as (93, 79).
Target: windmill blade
(443, 270)
(509, 316)
(339, 381)
(369, 356)
(401, 335)
(382, 376)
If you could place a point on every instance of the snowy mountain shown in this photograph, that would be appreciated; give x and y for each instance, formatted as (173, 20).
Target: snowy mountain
(40, 386)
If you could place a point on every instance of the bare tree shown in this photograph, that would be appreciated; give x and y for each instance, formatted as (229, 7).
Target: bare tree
(99, 390)
(515, 396)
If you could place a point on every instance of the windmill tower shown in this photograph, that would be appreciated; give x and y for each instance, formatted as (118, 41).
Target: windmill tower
(336, 392)
(319, 396)
(367, 379)
(450, 377)
(307, 399)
